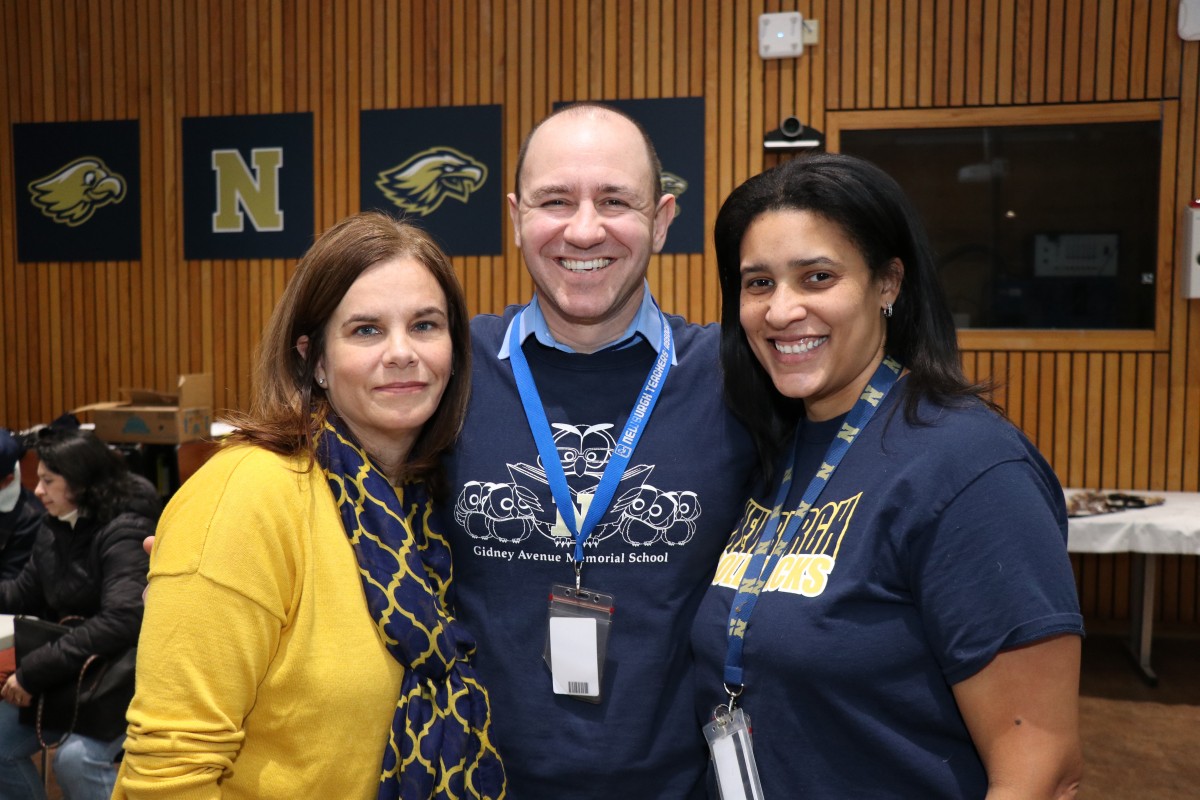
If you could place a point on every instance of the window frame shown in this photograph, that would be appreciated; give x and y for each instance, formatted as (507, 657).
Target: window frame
(1034, 339)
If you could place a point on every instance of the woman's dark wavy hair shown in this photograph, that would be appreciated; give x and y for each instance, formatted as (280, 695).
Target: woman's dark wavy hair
(285, 399)
(878, 218)
(97, 479)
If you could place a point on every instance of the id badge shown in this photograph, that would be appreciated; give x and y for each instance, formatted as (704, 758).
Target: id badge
(728, 738)
(577, 640)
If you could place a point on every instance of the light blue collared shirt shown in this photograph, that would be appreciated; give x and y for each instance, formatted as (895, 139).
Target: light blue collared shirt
(645, 322)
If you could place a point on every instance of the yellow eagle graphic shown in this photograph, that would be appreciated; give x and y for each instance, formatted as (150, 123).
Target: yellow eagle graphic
(673, 184)
(422, 182)
(73, 193)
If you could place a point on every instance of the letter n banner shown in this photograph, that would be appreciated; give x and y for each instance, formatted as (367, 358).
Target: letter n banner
(247, 186)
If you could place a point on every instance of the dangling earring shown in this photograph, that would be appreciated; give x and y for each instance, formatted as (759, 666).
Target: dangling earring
(887, 310)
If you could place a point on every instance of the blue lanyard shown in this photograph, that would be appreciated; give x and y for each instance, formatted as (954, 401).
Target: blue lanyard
(767, 553)
(535, 413)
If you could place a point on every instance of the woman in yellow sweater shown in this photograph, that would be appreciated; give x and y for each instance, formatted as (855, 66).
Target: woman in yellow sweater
(296, 640)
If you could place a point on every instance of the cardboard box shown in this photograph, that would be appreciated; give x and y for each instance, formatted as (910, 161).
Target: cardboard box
(151, 417)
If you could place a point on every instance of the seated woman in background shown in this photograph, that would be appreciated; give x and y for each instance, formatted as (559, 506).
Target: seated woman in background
(896, 611)
(87, 562)
(297, 635)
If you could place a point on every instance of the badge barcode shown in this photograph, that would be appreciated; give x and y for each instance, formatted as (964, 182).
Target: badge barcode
(577, 687)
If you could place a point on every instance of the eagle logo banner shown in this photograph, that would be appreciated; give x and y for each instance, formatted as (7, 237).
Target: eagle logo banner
(437, 167)
(421, 183)
(78, 191)
(73, 193)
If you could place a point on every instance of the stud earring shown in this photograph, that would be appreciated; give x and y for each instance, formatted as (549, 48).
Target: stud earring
(321, 382)
(887, 310)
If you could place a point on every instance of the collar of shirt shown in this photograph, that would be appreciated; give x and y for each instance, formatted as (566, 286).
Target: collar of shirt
(645, 323)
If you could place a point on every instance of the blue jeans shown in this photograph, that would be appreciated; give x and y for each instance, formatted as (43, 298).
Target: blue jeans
(83, 766)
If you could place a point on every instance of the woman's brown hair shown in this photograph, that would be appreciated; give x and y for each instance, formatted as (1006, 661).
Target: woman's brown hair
(285, 410)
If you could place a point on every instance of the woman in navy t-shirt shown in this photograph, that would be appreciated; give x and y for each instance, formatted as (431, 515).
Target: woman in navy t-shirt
(910, 626)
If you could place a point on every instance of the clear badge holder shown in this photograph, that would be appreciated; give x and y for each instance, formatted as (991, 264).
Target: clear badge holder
(577, 640)
(728, 737)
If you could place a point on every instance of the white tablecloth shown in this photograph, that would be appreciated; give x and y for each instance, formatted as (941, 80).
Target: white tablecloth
(1172, 528)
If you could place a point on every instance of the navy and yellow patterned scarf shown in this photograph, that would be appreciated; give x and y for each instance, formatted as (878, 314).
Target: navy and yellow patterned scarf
(440, 746)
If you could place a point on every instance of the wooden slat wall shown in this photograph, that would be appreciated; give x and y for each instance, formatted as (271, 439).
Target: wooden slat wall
(72, 333)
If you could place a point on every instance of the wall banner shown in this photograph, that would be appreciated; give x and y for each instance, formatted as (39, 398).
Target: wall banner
(438, 168)
(676, 126)
(247, 186)
(77, 191)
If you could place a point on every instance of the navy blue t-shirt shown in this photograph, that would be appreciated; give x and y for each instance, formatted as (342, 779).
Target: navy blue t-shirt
(654, 550)
(932, 548)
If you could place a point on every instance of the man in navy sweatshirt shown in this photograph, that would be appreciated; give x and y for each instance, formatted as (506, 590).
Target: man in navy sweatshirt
(598, 465)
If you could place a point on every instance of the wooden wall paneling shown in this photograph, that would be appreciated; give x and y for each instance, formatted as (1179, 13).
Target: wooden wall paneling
(1172, 75)
(1158, 419)
(989, 49)
(860, 53)
(1007, 371)
(1077, 422)
(973, 44)
(747, 90)
(752, 126)
(1177, 137)
(633, 30)
(669, 49)
(1160, 25)
(343, 90)
(884, 48)
(163, 266)
(14, 386)
(910, 71)
(651, 85)
(795, 91)
(182, 319)
(1188, 125)
(1047, 404)
(960, 14)
(928, 31)
(1123, 46)
(832, 33)
(1105, 50)
(1038, 25)
(1144, 378)
(1125, 402)
(1072, 35)
(1093, 410)
(1032, 392)
(1022, 25)
(720, 63)
(812, 72)
(1061, 451)
(1088, 48)
(1055, 45)
(1005, 53)
(1110, 420)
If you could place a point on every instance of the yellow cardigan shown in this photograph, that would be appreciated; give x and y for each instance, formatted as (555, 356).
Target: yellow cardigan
(260, 673)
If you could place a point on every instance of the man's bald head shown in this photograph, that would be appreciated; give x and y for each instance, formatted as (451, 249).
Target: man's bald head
(597, 110)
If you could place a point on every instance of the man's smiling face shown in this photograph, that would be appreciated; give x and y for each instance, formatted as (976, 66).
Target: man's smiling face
(587, 221)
